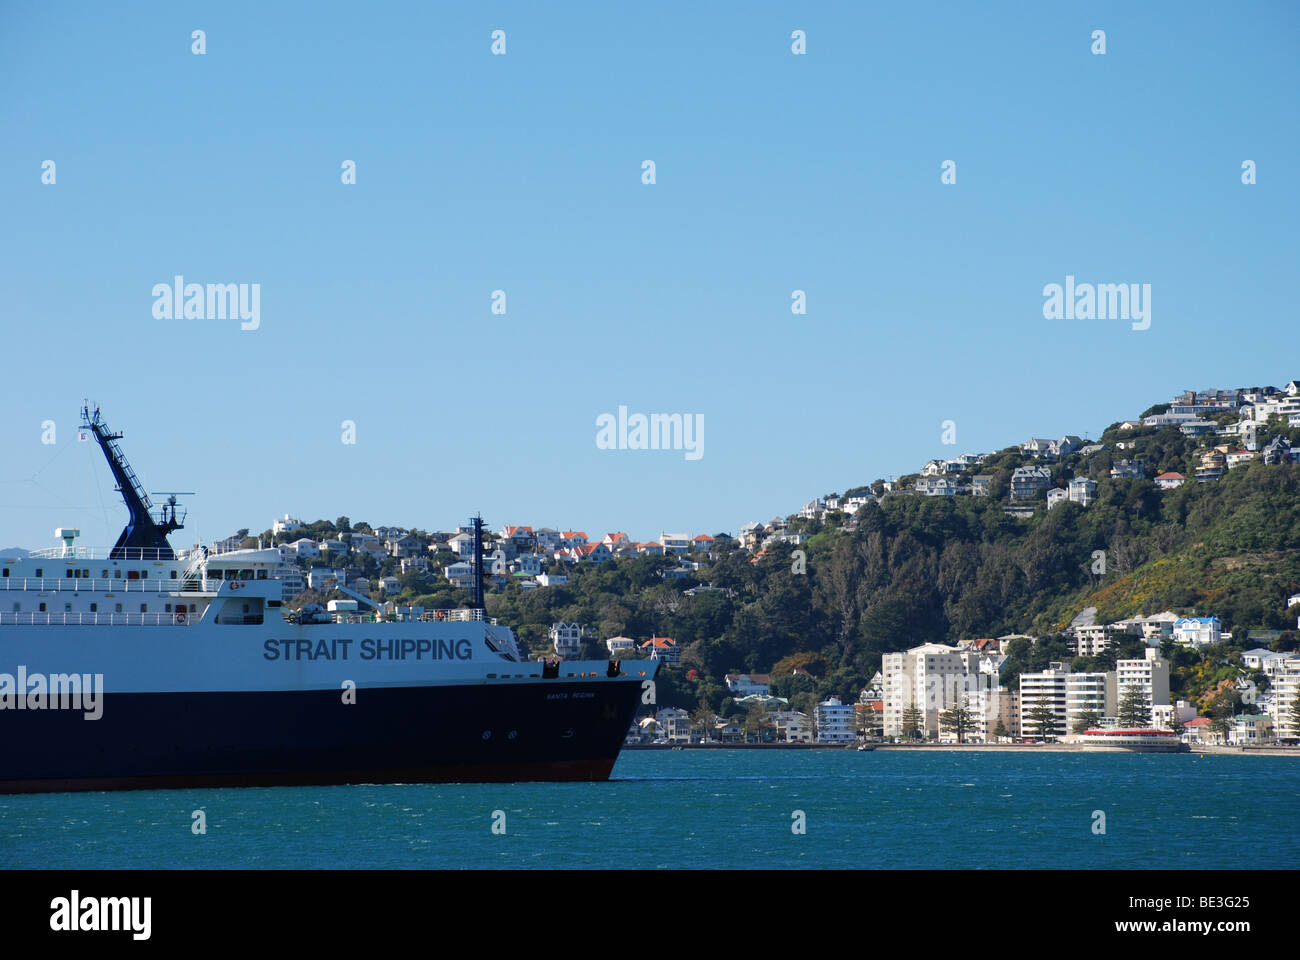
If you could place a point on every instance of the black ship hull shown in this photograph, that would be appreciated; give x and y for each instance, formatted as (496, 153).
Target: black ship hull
(458, 733)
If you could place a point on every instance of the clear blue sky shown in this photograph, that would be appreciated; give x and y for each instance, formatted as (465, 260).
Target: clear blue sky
(523, 173)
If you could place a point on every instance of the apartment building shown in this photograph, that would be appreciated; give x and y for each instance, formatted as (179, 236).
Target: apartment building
(1087, 693)
(924, 677)
(1150, 674)
(1047, 687)
(835, 721)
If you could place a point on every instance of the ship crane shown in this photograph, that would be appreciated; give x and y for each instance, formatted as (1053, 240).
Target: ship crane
(144, 538)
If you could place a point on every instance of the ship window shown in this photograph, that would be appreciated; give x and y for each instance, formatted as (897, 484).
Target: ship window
(119, 608)
(103, 574)
(94, 607)
(71, 573)
(133, 575)
(85, 573)
(144, 608)
(246, 608)
(6, 571)
(42, 608)
(261, 574)
(168, 608)
(67, 608)
(40, 572)
(173, 574)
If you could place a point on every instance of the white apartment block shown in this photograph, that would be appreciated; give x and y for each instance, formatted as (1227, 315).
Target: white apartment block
(1049, 686)
(1092, 640)
(567, 640)
(925, 677)
(989, 704)
(286, 524)
(835, 721)
(1286, 685)
(1089, 693)
(1151, 674)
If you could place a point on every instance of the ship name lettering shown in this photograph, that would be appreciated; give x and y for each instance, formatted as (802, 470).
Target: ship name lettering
(333, 649)
(409, 648)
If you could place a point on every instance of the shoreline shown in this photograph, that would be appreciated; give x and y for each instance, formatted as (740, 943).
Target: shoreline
(1218, 750)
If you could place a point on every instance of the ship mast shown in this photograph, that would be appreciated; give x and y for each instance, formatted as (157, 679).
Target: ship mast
(476, 522)
(144, 536)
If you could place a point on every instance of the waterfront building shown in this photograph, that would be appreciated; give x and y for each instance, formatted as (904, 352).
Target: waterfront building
(1285, 688)
(1049, 687)
(1087, 693)
(1150, 674)
(924, 677)
(835, 721)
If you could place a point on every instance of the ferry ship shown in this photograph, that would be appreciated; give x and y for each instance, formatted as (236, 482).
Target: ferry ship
(205, 678)
(1142, 740)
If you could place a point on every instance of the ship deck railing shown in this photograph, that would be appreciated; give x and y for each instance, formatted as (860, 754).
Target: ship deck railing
(105, 553)
(113, 585)
(438, 616)
(95, 619)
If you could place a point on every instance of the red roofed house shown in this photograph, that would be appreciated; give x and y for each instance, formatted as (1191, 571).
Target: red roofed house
(595, 552)
(746, 684)
(702, 544)
(1169, 481)
(1197, 730)
(572, 538)
(1237, 457)
(870, 717)
(663, 648)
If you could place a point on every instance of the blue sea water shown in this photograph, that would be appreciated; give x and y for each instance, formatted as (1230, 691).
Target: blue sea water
(710, 809)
